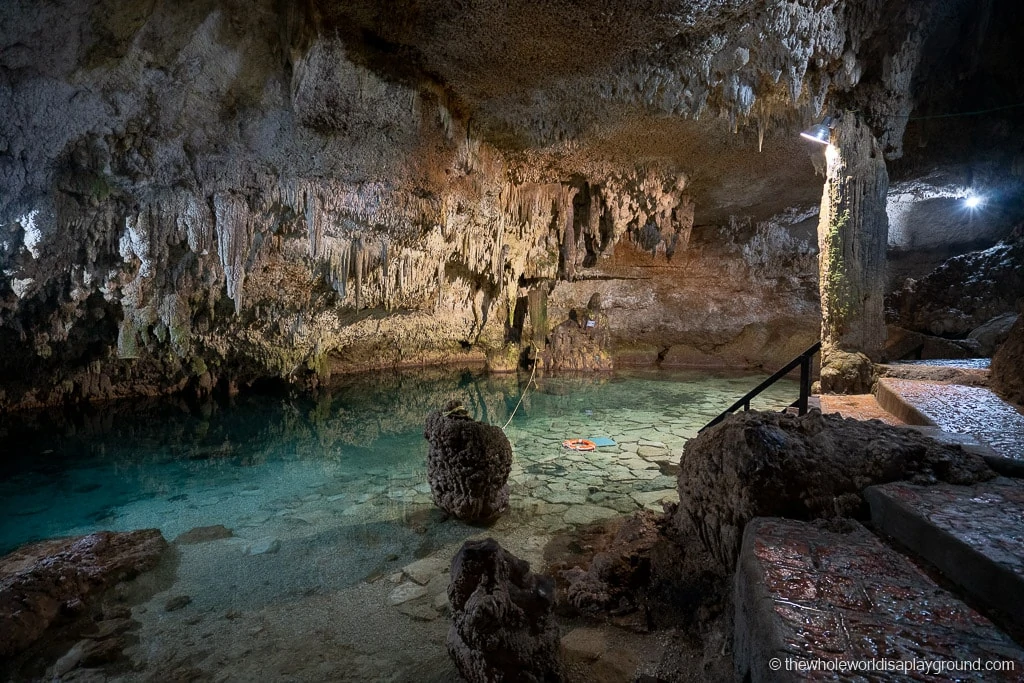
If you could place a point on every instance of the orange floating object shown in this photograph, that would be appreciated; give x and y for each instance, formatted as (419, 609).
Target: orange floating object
(579, 445)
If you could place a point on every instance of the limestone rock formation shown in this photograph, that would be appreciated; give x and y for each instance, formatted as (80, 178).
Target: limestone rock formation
(852, 238)
(617, 570)
(774, 464)
(467, 465)
(963, 293)
(847, 373)
(1008, 365)
(991, 335)
(582, 342)
(503, 625)
(46, 583)
(196, 198)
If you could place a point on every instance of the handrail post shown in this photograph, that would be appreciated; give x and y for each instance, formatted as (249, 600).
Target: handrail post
(805, 384)
(801, 404)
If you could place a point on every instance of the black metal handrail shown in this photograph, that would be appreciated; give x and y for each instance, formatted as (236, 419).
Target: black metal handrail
(803, 360)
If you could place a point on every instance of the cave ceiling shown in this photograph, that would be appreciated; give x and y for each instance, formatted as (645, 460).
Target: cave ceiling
(716, 89)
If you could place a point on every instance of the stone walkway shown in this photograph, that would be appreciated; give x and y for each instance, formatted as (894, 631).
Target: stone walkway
(974, 535)
(961, 410)
(814, 604)
(858, 407)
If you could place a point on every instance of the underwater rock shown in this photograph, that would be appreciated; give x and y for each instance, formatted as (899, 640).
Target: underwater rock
(47, 582)
(1008, 365)
(503, 626)
(622, 566)
(756, 464)
(468, 464)
(203, 534)
(635, 572)
(177, 602)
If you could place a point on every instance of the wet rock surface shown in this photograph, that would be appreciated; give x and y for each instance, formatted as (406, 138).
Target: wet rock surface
(973, 535)
(52, 583)
(960, 409)
(809, 591)
(503, 624)
(468, 464)
(764, 464)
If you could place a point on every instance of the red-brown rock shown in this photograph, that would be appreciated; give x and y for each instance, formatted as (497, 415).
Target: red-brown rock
(43, 583)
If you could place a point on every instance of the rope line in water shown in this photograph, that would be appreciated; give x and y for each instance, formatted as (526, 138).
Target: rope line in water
(522, 395)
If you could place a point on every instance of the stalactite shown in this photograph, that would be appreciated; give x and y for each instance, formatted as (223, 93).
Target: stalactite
(194, 216)
(314, 226)
(358, 257)
(235, 232)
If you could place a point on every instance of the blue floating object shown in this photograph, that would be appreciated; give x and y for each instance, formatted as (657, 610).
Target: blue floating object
(602, 441)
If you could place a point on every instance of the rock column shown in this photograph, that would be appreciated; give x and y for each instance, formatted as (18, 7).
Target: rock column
(853, 231)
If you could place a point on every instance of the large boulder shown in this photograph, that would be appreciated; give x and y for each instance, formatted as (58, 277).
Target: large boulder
(993, 334)
(468, 464)
(1008, 365)
(46, 583)
(503, 625)
(756, 464)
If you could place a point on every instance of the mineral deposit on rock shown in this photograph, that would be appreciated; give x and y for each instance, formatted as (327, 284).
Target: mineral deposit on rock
(468, 464)
(503, 626)
(44, 581)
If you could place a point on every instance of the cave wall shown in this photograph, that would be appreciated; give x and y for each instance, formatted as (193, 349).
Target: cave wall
(184, 206)
(206, 193)
(743, 294)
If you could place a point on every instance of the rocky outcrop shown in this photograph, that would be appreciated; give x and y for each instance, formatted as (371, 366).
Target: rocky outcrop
(1008, 365)
(503, 625)
(52, 582)
(582, 342)
(774, 464)
(964, 293)
(847, 373)
(467, 465)
(742, 294)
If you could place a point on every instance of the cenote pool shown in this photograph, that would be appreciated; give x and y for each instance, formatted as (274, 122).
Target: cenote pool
(335, 564)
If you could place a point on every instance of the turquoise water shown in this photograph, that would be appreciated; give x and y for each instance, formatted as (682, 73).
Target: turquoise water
(333, 565)
(263, 463)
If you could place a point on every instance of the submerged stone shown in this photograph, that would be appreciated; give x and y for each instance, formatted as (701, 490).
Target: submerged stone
(43, 582)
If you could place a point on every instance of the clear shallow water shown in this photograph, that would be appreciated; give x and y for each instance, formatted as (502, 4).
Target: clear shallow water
(336, 567)
(276, 466)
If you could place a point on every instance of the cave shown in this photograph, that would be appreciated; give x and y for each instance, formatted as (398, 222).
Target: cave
(247, 248)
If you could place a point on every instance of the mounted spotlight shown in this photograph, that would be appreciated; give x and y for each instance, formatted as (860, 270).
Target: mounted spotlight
(973, 201)
(821, 132)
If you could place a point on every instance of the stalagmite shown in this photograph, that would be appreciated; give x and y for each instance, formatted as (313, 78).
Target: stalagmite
(853, 231)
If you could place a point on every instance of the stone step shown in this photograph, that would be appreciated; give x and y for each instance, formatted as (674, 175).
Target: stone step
(959, 409)
(807, 597)
(974, 535)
